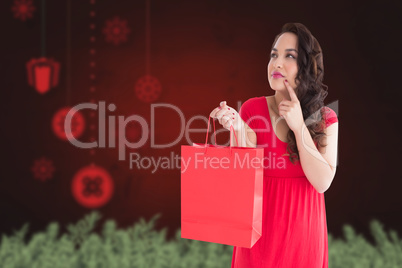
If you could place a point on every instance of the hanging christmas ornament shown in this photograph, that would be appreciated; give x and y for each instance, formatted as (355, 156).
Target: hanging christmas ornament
(77, 124)
(148, 88)
(43, 74)
(42, 169)
(76, 127)
(116, 31)
(92, 186)
(133, 131)
(23, 9)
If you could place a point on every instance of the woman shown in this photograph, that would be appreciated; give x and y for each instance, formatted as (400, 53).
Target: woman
(301, 153)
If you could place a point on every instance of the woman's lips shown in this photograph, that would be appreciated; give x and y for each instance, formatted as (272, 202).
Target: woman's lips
(277, 76)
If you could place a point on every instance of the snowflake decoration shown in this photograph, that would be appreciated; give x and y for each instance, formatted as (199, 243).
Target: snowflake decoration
(23, 9)
(148, 88)
(43, 169)
(116, 31)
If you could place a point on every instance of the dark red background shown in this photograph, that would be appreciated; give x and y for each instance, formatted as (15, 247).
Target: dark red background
(202, 52)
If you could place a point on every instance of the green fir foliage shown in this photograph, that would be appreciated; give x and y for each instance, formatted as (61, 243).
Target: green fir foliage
(143, 246)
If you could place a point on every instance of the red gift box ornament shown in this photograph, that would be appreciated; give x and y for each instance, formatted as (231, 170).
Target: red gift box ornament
(43, 74)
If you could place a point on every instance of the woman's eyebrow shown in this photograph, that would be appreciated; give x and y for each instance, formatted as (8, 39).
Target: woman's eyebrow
(289, 49)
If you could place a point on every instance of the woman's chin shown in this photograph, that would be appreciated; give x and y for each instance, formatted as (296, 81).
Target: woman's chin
(277, 88)
(276, 85)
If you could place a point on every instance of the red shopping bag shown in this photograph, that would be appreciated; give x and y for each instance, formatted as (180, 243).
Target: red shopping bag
(221, 193)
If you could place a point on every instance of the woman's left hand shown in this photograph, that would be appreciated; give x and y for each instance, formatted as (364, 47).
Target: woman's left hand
(291, 110)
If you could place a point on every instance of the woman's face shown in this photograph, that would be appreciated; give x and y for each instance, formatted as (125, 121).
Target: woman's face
(283, 60)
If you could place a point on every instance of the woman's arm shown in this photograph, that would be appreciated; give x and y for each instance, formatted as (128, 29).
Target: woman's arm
(319, 167)
(227, 117)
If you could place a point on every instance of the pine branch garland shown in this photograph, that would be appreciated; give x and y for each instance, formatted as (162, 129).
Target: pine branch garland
(142, 246)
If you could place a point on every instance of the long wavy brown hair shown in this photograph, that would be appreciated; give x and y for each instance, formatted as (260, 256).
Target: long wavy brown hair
(310, 90)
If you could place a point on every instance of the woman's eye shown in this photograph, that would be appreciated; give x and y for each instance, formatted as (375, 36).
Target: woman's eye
(274, 55)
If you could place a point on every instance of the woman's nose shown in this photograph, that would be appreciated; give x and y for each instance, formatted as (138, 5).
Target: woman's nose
(278, 64)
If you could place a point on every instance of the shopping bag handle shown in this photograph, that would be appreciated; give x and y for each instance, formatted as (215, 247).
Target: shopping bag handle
(231, 128)
(206, 139)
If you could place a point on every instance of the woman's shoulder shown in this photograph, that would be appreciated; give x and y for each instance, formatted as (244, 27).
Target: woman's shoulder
(250, 110)
(255, 100)
(328, 111)
(253, 105)
(329, 115)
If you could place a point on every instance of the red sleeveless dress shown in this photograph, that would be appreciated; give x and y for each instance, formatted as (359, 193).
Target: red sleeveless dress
(294, 227)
